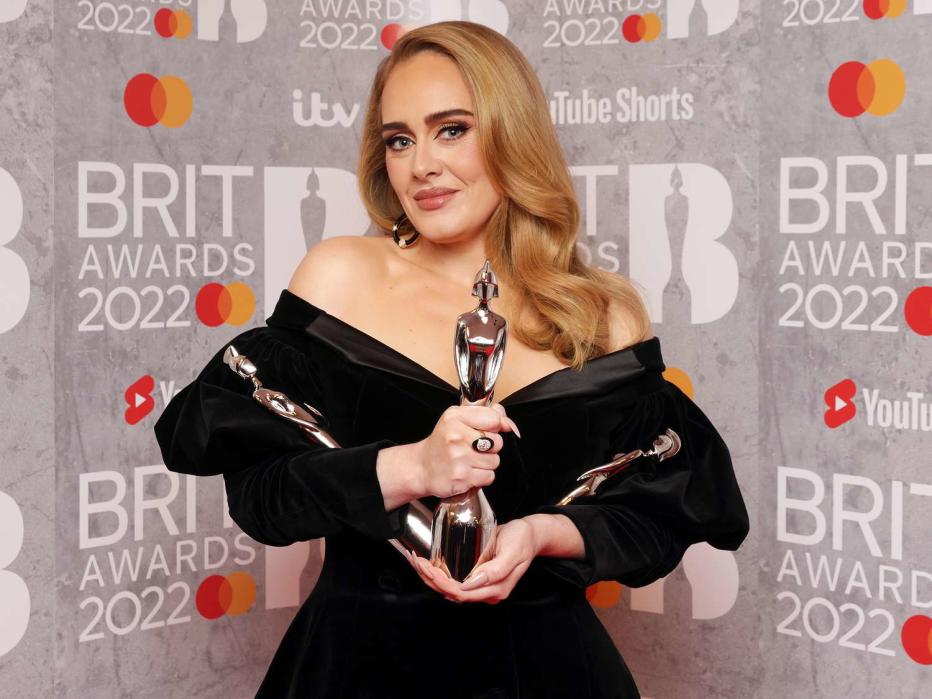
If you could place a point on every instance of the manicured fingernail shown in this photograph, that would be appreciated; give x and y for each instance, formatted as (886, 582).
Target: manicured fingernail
(472, 582)
(514, 427)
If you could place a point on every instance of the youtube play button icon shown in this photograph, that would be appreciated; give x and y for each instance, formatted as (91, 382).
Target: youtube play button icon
(139, 401)
(839, 399)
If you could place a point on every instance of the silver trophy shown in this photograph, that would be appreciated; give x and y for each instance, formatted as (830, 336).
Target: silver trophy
(666, 445)
(464, 524)
(416, 531)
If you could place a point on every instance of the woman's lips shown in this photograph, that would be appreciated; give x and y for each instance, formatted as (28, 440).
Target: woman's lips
(432, 203)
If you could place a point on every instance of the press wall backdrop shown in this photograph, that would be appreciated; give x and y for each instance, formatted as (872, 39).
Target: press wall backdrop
(761, 169)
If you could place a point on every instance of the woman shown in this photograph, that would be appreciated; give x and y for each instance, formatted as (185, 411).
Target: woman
(460, 162)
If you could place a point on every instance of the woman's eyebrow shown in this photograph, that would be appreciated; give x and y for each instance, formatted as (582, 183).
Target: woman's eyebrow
(429, 120)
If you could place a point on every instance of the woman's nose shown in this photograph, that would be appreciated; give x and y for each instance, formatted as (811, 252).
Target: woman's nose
(426, 162)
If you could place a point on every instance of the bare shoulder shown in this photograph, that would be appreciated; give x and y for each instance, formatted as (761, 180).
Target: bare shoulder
(622, 327)
(336, 268)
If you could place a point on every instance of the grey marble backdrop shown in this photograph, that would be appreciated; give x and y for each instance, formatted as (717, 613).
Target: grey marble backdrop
(782, 248)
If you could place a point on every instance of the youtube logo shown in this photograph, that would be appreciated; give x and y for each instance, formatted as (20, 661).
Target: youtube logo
(139, 401)
(840, 402)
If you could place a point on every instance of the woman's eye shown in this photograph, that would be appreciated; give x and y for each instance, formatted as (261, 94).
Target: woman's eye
(454, 130)
(397, 142)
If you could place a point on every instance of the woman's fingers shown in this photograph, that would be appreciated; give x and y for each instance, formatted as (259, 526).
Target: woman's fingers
(486, 418)
(436, 579)
(507, 424)
(488, 583)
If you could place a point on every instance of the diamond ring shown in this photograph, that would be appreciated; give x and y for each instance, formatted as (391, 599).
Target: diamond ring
(482, 443)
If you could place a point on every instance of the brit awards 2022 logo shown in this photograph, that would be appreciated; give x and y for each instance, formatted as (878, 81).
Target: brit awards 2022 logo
(800, 14)
(570, 23)
(351, 25)
(239, 21)
(863, 590)
(144, 561)
(150, 238)
(853, 242)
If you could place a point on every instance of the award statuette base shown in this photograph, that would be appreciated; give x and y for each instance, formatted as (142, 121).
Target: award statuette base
(463, 530)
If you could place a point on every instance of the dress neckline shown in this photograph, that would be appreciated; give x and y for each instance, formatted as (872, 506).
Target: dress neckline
(362, 348)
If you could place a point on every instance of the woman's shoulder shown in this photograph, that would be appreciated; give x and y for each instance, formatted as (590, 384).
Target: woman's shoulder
(337, 266)
(623, 327)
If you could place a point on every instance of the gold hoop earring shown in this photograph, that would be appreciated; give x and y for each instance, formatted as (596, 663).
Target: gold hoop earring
(403, 242)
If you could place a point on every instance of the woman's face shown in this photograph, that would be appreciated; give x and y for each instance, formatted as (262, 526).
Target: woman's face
(432, 149)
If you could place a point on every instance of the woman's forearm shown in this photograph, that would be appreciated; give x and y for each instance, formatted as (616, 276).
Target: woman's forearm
(401, 480)
(556, 536)
(399, 475)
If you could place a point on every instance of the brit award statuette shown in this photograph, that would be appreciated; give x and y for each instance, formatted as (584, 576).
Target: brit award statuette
(464, 524)
(416, 534)
(664, 446)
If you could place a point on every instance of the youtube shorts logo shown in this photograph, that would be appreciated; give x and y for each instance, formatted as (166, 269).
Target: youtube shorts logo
(139, 401)
(840, 401)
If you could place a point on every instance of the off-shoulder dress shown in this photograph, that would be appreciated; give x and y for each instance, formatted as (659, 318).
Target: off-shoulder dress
(371, 628)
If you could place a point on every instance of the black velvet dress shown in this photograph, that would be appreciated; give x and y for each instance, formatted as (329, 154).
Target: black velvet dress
(371, 628)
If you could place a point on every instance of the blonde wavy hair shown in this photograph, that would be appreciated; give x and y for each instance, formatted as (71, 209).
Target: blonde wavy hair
(531, 236)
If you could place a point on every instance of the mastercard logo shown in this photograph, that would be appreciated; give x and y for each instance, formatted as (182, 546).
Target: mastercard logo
(681, 380)
(217, 304)
(878, 9)
(605, 594)
(150, 100)
(877, 88)
(644, 27)
(918, 310)
(232, 594)
(173, 23)
(917, 639)
(392, 33)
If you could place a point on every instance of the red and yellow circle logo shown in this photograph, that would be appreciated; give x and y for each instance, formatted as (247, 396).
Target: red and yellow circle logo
(918, 310)
(392, 33)
(917, 638)
(173, 23)
(681, 380)
(150, 100)
(216, 304)
(877, 88)
(233, 594)
(605, 594)
(644, 27)
(878, 9)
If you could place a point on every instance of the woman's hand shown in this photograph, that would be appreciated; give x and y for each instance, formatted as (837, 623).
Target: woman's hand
(511, 551)
(447, 462)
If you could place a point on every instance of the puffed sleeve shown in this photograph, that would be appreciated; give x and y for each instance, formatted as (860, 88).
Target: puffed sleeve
(280, 486)
(638, 525)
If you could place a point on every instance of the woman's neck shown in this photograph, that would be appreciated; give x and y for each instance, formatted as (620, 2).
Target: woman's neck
(457, 262)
